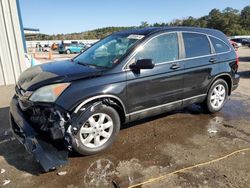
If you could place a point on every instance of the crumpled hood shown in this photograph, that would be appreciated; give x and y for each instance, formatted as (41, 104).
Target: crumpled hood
(55, 72)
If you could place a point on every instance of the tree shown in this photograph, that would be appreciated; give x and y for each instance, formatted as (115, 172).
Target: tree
(160, 24)
(245, 18)
(144, 24)
(190, 21)
(176, 22)
(202, 21)
(216, 20)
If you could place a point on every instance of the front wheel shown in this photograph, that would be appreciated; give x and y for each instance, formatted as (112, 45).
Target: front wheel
(98, 132)
(68, 52)
(217, 96)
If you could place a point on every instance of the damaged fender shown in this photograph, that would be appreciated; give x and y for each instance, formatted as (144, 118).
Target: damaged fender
(77, 121)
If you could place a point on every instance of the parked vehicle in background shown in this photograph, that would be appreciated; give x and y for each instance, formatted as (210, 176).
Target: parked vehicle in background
(39, 47)
(246, 41)
(82, 103)
(54, 46)
(46, 48)
(71, 48)
(74, 42)
(238, 41)
(234, 44)
(88, 45)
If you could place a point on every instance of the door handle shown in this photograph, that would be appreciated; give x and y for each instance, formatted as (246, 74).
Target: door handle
(175, 66)
(212, 60)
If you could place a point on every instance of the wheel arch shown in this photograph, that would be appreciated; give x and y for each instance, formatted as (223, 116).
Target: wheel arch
(110, 100)
(228, 80)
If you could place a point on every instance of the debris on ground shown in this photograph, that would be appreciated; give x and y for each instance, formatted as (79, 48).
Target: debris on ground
(2, 171)
(212, 131)
(6, 181)
(62, 173)
(6, 136)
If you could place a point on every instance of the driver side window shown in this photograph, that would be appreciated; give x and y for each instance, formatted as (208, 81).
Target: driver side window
(160, 49)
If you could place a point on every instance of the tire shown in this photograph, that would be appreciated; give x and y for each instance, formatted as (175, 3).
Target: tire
(90, 148)
(68, 52)
(215, 100)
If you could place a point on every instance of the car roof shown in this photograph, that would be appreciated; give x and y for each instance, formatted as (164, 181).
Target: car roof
(151, 30)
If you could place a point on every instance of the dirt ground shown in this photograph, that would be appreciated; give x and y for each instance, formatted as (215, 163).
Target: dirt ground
(150, 149)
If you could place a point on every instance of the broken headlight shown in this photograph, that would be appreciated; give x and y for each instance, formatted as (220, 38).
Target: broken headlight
(48, 93)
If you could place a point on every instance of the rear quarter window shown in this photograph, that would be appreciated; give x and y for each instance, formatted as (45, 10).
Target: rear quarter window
(219, 46)
(196, 44)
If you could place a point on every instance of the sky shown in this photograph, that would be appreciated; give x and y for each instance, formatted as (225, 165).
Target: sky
(68, 16)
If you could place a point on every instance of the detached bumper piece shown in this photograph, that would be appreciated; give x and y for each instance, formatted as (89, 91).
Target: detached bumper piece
(49, 156)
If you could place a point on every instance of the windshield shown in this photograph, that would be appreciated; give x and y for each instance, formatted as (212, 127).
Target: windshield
(108, 51)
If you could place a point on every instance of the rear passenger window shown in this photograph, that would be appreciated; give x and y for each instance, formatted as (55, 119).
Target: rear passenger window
(219, 46)
(196, 45)
(161, 49)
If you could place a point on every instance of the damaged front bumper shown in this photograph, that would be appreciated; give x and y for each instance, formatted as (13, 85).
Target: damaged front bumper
(47, 154)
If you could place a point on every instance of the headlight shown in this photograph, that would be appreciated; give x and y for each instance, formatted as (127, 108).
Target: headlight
(48, 93)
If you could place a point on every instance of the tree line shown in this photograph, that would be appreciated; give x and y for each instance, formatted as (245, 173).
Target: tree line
(230, 21)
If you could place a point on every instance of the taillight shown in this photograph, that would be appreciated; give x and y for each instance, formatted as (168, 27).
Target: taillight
(237, 58)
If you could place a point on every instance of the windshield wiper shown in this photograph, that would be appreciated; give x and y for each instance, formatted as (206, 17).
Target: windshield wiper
(89, 65)
(84, 64)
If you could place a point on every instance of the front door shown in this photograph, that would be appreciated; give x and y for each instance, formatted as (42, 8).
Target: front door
(156, 90)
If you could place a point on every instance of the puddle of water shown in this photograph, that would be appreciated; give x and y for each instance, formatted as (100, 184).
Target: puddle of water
(236, 108)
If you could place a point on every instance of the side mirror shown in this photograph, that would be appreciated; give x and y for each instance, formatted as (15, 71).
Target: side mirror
(142, 64)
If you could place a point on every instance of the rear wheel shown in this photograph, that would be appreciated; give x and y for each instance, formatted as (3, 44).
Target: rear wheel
(217, 96)
(98, 132)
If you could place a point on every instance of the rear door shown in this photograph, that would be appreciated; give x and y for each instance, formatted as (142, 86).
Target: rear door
(200, 64)
(151, 91)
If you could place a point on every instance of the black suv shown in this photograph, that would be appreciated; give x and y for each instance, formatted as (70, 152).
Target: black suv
(82, 103)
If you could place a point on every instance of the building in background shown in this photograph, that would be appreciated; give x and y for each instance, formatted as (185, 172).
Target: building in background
(12, 44)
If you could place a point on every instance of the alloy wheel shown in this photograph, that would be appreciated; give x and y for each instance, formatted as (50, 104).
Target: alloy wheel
(218, 96)
(97, 130)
